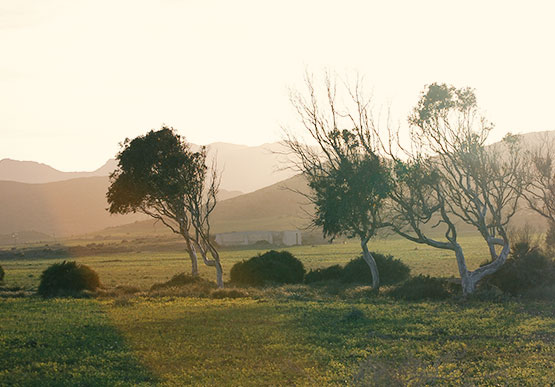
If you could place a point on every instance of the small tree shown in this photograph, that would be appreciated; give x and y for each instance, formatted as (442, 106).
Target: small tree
(348, 181)
(451, 175)
(159, 175)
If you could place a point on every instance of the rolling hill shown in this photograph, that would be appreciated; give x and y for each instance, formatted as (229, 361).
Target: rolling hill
(63, 208)
(236, 162)
(78, 206)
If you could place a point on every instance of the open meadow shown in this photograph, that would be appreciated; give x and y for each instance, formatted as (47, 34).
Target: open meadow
(283, 335)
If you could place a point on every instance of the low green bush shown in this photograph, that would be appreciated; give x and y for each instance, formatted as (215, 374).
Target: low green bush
(178, 280)
(271, 267)
(527, 267)
(67, 278)
(422, 287)
(334, 272)
(2, 273)
(391, 270)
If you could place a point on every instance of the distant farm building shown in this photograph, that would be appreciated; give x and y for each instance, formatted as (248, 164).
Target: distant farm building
(286, 238)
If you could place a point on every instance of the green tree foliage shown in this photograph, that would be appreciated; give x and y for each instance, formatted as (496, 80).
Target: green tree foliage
(452, 176)
(159, 175)
(349, 182)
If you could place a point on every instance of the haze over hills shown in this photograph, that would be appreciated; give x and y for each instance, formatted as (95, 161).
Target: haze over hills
(33, 172)
(243, 168)
(78, 206)
(62, 208)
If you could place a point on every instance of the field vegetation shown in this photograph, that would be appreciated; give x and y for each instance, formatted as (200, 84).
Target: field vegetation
(327, 333)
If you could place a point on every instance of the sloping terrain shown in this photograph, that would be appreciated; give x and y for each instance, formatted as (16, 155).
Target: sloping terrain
(243, 168)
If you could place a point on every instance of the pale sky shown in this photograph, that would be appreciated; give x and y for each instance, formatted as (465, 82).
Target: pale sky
(77, 77)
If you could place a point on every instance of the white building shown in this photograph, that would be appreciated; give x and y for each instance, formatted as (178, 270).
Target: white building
(245, 238)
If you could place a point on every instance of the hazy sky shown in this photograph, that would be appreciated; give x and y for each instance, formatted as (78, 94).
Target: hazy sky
(77, 77)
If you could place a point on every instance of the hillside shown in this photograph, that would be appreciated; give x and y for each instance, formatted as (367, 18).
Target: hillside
(64, 208)
(277, 207)
(239, 172)
(78, 206)
(68, 207)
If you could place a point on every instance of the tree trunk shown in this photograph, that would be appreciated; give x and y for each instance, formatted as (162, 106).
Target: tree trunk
(469, 279)
(193, 256)
(369, 259)
(219, 275)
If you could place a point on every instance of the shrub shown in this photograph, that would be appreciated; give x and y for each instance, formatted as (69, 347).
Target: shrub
(527, 267)
(391, 270)
(334, 272)
(67, 278)
(179, 280)
(273, 266)
(2, 273)
(422, 287)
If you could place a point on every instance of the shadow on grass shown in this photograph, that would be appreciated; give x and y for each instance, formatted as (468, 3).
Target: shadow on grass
(63, 342)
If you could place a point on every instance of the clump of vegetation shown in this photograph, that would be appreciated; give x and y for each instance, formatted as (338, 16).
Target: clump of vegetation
(527, 267)
(183, 285)
(422, 287)
(229, 293)
(178, 280)
(331, 273)
(391, 270)
(2, 274)
(271, 267)
(67, 278)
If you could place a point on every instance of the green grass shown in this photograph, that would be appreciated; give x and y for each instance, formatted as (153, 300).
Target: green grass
(289, 335)
(63, 342)
(144, 268)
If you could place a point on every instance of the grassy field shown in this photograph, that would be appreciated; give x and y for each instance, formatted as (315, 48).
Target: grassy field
(144, 268)
(289, 335)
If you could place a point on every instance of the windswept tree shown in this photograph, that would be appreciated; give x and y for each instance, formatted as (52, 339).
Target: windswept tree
(348, 180)
(540, 194)
(159, 175)
(452, 176)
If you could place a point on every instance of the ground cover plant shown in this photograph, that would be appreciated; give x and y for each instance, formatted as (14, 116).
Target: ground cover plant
(281, 335)
(64, 342)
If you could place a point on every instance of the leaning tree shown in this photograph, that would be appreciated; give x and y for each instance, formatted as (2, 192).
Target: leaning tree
(158, 174)
(451, 177)
(348, 180)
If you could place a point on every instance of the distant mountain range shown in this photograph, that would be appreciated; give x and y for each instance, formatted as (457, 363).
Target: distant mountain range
(75, 206)
(243, 168)
(32, 172)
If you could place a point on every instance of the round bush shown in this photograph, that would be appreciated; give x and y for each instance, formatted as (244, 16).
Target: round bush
(67, 278)
(334, 272)
(391, 270)
(526, 268)
(2, 273)
(422, 287)
(273, 266)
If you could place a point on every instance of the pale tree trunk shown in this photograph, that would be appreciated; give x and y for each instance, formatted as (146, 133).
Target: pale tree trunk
(369, 259)
(215, 262)
(469, 279)
(193, 256)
